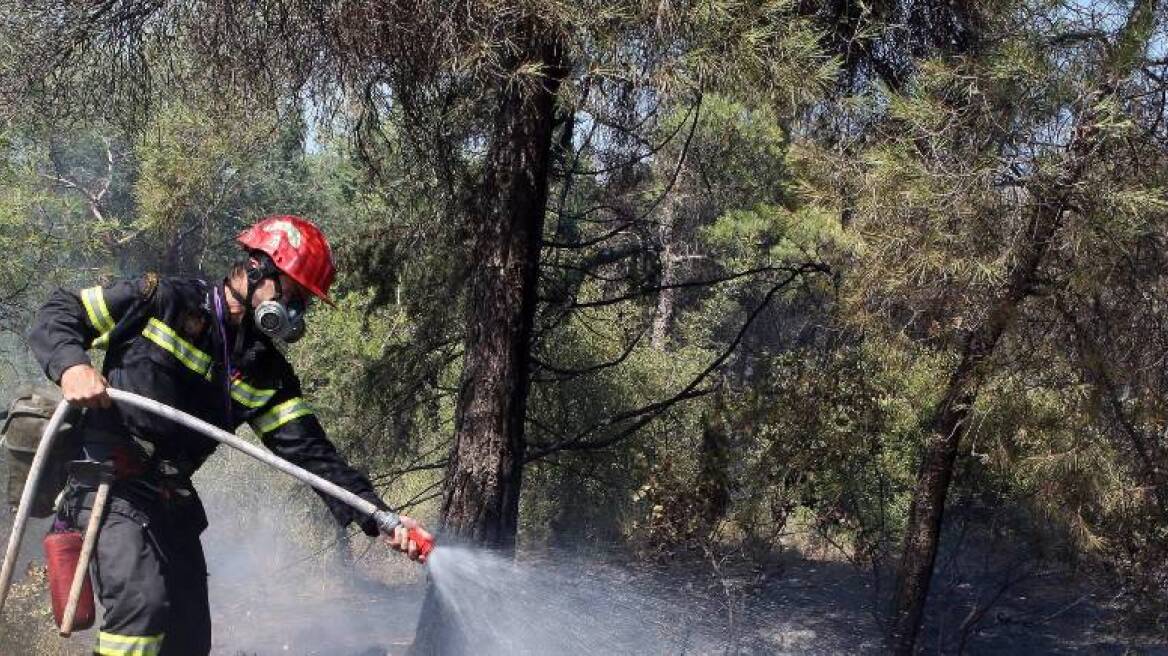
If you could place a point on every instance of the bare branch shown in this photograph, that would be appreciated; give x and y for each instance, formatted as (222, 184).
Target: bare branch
(801, 269)
(648, 413)
(568, 374)
(109, 172)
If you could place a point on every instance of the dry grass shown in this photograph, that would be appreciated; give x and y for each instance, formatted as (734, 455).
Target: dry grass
(27, 627)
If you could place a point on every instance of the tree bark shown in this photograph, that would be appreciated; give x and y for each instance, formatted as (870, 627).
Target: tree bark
(480, 504)
(663, 318)
(947, 423)
(669, 260)
(481, 497)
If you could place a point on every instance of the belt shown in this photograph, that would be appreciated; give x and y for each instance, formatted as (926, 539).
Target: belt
(136, 458)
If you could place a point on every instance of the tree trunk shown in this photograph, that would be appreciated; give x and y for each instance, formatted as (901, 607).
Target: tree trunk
(481, 498)
(946, 427)
(714, 460)
(480, 503)
(947, 423)
(668, 262)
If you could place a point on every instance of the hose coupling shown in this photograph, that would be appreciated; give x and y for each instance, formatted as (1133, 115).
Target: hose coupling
(387, 520)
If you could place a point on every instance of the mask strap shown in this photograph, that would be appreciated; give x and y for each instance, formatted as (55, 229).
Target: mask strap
(255, 275)
(264, 268)
(239, 299)
(221, 323)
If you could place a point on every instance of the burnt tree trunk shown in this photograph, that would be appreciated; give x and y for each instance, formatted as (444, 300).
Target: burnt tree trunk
(946, 425)
(480, 504)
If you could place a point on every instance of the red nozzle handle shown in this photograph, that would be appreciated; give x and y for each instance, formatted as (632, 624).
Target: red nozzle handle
(389, 521)
(423, 539)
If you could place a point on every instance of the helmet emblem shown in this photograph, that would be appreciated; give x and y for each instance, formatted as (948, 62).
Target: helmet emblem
(289, 230)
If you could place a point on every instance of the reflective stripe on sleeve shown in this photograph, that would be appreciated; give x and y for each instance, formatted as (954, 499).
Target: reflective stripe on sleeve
(280, 415)
(248, 396)
(165, 337)
(112, 644)
(95, 308)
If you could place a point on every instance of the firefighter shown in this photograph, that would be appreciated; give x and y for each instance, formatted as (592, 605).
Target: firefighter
(207, 348)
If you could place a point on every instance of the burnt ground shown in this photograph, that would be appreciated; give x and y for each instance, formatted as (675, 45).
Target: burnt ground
(273, 596)
(828, 607)
(799, 606)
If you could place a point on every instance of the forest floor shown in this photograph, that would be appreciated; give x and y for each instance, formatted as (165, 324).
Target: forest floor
(272, 595)
(802, 606)
(797, 606)
(817, 606)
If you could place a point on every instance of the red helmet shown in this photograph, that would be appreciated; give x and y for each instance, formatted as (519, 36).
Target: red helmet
(297, 247)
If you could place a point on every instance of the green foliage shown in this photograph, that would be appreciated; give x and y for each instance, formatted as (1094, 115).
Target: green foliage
(203, 177)
(379, 428)
(775, 234)
(701, 151)
(563, 406)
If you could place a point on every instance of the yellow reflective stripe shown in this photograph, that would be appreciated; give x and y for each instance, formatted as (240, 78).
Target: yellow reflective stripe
(102, 341)
(112, 644)
(251, 397)
(162, 335)
(280, 415)
(99, 315)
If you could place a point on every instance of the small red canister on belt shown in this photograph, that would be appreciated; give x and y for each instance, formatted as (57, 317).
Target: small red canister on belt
(62, 551)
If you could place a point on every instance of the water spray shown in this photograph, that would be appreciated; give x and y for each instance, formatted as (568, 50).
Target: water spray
(387, 521)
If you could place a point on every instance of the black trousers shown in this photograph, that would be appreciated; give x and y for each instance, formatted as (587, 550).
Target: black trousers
(148, 570)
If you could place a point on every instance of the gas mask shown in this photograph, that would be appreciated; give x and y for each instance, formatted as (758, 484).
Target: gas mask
(282, 321)
(279, 318)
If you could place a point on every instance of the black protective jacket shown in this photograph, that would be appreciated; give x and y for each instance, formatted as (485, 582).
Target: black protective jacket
(165, 339)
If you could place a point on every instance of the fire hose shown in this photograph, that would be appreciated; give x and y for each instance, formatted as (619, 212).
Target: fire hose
(386, 520)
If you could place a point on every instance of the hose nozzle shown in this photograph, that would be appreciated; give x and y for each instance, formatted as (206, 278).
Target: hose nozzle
(424, 540)
(388, 521)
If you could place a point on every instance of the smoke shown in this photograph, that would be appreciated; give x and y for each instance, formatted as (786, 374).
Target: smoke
(279, 586)
(280, 583)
